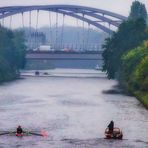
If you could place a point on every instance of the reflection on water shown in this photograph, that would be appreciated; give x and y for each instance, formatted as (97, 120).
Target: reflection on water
(71, 106)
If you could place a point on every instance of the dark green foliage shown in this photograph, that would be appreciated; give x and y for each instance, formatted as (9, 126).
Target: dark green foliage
(130, 34)
(12, 53)
(121, 61)
(138, 10)
(20, 48)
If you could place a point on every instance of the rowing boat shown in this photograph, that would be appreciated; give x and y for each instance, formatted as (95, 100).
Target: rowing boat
(19, 135)
(25, 133)
(116, 134)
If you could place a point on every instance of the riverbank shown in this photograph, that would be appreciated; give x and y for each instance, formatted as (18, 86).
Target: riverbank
(139, 95)
(142, 97)
(8, 77)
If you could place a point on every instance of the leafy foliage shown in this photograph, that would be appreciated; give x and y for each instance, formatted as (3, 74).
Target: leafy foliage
(131, 66)
(12, 53)
(138, 10)
(20, 48)
(141, 74)
(130, 34)
(135, 72)
(125, 57)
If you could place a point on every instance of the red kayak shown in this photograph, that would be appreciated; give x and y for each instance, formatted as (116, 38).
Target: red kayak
(19, 135)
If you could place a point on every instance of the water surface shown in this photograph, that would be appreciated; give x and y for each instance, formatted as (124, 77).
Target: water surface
(71, 106)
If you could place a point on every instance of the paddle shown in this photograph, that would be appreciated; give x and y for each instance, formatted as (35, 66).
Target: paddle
(35, 134)
(5, 133)
(32, 133)
(42, 133)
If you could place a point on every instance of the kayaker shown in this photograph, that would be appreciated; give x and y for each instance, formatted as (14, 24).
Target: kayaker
(19, 130)
(111, 127)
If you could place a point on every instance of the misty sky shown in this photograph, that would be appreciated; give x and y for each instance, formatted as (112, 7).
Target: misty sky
(118, 6)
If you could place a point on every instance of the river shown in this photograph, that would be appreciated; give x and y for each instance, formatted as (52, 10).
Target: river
(70, 105)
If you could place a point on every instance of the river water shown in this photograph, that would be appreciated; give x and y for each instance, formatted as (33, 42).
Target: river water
(72, 107)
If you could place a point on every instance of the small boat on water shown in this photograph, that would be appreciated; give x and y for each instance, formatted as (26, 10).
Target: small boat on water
(45, 73)
(116, 134)
(24, 133)
(19, 135)
(37, 73)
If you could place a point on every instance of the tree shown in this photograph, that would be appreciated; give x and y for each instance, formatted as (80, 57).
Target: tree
(141, 74)
(12, 53)
(138, 10)
(123, 56)
(131, 68)
(135, 72)
(20, 48)
(130, 34)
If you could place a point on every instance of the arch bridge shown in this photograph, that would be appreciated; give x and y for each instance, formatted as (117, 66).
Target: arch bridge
(92, 16)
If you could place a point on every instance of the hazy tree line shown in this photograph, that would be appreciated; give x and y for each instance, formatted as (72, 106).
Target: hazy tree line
(126, 53)
(12, 53)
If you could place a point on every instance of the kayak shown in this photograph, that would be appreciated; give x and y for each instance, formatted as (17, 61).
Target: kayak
(19, 135)
(117, 134)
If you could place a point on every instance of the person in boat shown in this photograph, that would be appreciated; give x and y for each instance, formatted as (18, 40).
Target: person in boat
(19, 130)
(111, 127)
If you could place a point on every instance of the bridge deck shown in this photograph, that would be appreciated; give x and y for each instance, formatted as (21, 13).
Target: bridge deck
(64, 56)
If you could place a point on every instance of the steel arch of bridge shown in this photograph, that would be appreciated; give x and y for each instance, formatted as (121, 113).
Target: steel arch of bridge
(80, 12)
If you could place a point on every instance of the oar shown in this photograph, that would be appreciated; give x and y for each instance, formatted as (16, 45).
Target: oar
(35, 134)
(5, 133)
(42, 133)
